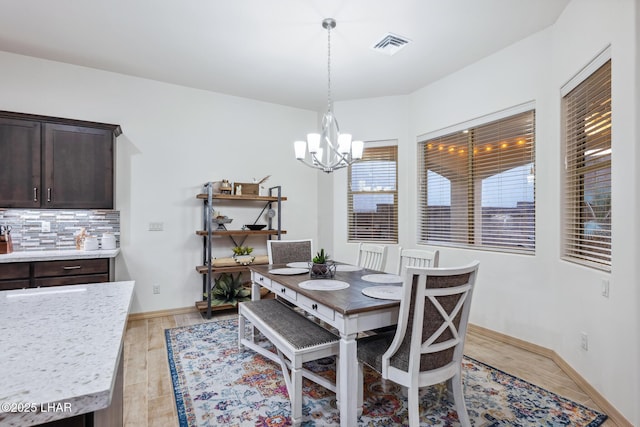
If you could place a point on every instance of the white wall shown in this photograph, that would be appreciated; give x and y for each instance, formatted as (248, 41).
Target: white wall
(174, 140)
(538, 298)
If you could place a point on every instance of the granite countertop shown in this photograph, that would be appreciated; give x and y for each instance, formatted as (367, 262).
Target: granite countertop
(55, 255)
(60, 348)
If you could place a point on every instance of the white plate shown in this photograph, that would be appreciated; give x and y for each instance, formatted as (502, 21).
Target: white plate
(347, 267)
(289, 271)
(323, 285)
(298, 264)
(384, 292)
(382, 278)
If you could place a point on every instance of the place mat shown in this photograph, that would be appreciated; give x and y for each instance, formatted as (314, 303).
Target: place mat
(347, 267)
(289, 271)
(323, 285)
(384, 292)
(301, 264)
(382, 278)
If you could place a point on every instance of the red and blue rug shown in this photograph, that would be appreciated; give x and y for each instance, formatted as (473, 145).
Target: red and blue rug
(216, 384)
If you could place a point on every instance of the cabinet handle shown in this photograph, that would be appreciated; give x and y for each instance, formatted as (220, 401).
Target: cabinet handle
(283, 290)
(314, 306)
(72, 267)
(261, 279)
(48, 194)
(35, 194)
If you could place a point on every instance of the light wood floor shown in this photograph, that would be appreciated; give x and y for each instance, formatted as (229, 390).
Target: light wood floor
(148, 393)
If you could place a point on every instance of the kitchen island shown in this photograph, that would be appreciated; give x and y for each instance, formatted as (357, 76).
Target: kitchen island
(61, 354)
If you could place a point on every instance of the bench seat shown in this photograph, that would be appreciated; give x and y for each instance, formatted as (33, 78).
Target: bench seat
(297, 340)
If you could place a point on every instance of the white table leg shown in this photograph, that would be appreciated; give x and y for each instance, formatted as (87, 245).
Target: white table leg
(348, 365)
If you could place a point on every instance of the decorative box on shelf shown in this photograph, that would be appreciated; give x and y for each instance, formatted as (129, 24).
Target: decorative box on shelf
(246, 189)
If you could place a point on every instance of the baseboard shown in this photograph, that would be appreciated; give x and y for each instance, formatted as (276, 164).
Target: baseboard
(599, 400)
(161, 313)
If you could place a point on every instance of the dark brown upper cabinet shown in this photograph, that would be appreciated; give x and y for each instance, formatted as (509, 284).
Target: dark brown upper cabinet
(48, 162)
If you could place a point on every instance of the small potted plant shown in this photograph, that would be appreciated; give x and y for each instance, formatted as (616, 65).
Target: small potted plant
(229, 289)
(322, 267)
(242, 255)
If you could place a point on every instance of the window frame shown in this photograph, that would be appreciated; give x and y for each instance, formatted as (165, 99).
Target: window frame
(576, 246)
(474, 235)
(352, 235)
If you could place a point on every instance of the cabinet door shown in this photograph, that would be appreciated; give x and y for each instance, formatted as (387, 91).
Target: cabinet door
(78, 167)
(19, 163)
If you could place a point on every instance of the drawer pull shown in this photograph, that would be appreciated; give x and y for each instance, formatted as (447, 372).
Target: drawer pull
(72, 267)
(35, 194)
(283, 290)
(261, 279)
(48, 194)
(314, 306)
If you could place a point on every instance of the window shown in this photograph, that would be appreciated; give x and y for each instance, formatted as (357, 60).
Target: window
(587, 179)
(373, 195)
(476, 184)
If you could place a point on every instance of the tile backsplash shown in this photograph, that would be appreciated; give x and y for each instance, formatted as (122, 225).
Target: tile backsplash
(54, 229)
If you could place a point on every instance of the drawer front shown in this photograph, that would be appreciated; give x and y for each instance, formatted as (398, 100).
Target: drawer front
(71, 280)
(321, 311)
(71, 267)
(14, 270)
(261, 280)
(284, 292)
(6, 285)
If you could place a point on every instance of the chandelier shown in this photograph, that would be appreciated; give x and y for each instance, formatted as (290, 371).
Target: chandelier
(329, 150)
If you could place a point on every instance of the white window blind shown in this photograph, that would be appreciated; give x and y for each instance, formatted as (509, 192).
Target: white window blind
(476, 186)
(372, 203)
(587, 178)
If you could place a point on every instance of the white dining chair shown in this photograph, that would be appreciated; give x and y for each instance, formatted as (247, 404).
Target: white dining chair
(427, 344)
(372, 256)
(416, 258)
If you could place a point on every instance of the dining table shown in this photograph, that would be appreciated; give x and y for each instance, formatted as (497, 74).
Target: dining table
(341, 303)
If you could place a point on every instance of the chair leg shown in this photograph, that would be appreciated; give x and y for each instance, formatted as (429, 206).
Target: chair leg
(414, 406)
(296, 395)
(240, 331)
(458, 398)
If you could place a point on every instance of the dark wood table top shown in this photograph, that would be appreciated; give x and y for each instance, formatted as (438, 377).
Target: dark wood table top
(345, 301)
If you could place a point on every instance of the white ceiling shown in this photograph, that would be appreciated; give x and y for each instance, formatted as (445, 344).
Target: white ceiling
(272, 50)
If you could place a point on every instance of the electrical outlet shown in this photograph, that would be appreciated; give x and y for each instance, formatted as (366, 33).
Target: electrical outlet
(156, 289)
(45, 226)
(584, 341)
(605, 288)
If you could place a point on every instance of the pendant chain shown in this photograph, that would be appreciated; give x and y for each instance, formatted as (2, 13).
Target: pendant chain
(329, 68)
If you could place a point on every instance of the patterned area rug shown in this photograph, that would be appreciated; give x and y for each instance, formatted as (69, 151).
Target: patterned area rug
(215, 384)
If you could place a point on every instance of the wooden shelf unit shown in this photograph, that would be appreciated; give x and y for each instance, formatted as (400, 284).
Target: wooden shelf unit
(210, 229)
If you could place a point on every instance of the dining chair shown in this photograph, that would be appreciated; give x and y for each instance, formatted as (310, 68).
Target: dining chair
(284, 251)
(416, 258)
(372, 256)
(426, 347)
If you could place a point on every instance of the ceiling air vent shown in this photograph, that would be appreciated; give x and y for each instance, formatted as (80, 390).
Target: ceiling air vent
(390, 44)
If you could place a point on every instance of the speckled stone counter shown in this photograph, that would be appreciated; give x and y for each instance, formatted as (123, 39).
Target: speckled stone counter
(59, 350)
(55, 255)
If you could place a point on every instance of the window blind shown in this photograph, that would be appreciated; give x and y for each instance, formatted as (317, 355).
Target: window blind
(587, 180)
(476, 186)
(372, 203)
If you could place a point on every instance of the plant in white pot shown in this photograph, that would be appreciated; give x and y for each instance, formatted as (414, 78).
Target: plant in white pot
(242, 255)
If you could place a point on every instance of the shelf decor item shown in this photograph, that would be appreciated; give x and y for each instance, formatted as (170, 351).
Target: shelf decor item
(221, 221)
(229, 290)
(242, 255)
(321, 266)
